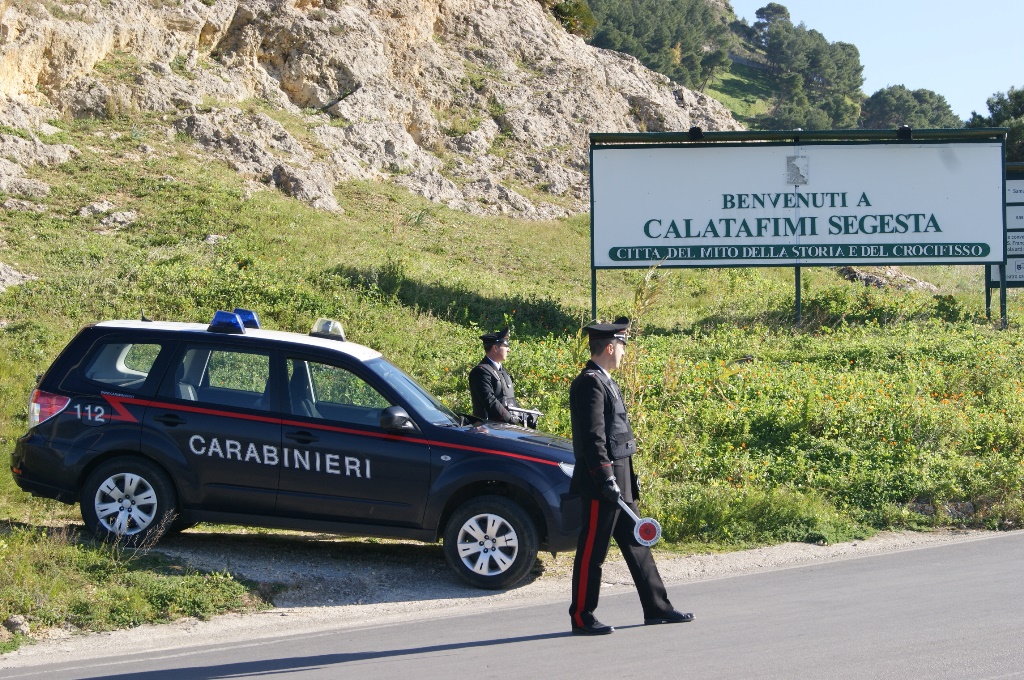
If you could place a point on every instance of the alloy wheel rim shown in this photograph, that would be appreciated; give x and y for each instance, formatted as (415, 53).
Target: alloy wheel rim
(125, 504)
(487, 544)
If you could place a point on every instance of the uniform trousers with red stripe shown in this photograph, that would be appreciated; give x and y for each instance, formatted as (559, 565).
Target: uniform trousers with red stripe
(601, 521)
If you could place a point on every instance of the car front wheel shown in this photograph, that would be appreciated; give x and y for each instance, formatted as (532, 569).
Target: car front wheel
(128, 500)
(490, 542)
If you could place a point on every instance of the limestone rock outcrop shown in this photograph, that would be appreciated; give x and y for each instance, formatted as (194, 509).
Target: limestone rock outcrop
(484, 105)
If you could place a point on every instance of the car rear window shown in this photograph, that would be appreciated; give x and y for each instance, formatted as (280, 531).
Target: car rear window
(220, 377)
(124, 365)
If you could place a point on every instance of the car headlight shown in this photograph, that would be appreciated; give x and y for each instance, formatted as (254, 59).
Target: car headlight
(567, 468)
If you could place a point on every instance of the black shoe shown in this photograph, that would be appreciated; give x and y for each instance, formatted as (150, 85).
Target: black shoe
(595, 628)
(672, 617)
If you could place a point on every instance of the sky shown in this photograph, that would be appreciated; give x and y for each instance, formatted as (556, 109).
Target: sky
(940, 45)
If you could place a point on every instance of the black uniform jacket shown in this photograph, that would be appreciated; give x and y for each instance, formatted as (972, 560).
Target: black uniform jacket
(491, 390)
(601, 436)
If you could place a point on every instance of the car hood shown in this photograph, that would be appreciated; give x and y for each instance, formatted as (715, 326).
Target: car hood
(516, 440)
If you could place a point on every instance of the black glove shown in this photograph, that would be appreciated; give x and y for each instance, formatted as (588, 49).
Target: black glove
(610, 490)
(531, 421)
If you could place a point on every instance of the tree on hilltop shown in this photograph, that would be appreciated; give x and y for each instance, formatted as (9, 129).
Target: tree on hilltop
(817, 82)
(895, 105)
(766, 16)
(1005, 110)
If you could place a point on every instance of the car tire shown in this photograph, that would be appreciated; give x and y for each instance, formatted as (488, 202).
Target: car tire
(490, 542)
(129, 501)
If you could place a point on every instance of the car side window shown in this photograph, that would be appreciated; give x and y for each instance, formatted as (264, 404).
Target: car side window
(124, 365)
(221, 377)
(319, 390)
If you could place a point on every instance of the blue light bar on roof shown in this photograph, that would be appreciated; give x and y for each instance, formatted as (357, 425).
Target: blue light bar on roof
(226, 322)
(248, 317)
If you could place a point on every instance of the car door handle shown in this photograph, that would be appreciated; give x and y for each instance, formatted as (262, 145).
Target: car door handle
(170, 419)
(302, 437)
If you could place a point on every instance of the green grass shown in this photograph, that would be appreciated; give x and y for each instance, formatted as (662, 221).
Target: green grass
(880, 404)
(120, 66)
(745, 90)
(57, 580)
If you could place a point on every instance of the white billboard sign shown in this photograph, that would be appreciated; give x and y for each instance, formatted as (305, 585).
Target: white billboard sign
(1015, 191)
(804, 204)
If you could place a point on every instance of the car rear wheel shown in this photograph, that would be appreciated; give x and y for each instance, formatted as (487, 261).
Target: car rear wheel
(128, 500)
(490, 542)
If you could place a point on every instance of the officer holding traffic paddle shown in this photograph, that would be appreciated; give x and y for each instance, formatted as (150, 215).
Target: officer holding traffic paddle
(604, 445)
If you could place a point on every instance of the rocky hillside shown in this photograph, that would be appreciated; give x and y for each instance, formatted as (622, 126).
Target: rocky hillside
(483, 105)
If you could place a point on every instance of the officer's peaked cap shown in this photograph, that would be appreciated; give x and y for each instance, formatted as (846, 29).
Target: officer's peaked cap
(496, 338)
(618, 329)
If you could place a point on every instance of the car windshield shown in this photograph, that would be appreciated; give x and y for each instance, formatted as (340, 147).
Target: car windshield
(425, 404)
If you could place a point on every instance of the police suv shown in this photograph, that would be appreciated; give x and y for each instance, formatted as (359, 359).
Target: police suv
(155, 426)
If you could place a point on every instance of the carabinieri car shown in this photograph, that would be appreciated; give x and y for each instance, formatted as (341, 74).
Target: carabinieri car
(155, 426)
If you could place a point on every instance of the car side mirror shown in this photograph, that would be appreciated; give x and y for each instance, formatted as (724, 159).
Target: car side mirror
(396, 418)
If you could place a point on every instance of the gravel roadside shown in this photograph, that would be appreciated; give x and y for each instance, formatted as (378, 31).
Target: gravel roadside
(324, 582)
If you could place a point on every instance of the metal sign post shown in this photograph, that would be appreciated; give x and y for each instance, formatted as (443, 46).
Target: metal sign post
(799, 308)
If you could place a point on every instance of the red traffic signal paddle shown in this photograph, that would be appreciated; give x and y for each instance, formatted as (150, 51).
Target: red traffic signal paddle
(647, 531)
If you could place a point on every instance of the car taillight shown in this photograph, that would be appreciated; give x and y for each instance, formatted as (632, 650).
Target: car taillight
(44, 405)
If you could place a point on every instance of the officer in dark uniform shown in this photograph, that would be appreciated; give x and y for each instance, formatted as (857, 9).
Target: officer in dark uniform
(490, 385)
(603, 443)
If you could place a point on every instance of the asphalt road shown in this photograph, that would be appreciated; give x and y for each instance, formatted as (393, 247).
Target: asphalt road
(951, 611)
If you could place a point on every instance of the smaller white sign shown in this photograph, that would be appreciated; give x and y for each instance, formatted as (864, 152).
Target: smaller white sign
(1015, 191)
(1014, 271)
(1015, 243)
(1015, 217)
